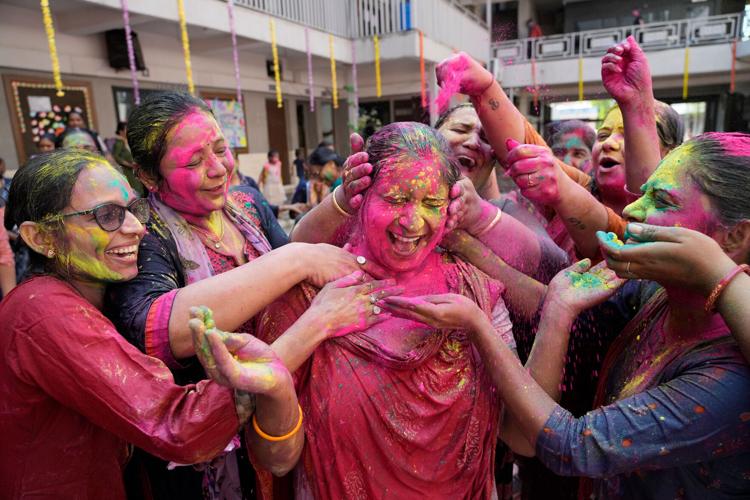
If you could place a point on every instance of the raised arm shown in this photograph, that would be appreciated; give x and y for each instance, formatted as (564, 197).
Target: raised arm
(627, 77)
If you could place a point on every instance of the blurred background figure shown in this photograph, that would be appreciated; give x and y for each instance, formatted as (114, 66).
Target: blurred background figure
(270, 181)
(572, 142)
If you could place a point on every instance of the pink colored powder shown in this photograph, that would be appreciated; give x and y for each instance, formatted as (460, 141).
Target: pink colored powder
(451, 85)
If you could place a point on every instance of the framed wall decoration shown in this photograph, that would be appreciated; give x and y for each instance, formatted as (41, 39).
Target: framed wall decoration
(36, 110)
(230, 114)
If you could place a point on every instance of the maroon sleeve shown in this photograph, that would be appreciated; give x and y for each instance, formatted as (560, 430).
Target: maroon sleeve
(77, 357)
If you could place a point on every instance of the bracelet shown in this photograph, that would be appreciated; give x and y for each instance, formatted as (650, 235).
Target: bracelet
(711, 302)
(492, 224)
(286, 436)
(336, 203)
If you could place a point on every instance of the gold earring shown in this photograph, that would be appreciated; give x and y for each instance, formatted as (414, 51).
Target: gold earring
(50, 253)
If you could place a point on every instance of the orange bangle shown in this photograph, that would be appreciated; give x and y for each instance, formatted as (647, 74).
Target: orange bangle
(711, 302)
(286, 436)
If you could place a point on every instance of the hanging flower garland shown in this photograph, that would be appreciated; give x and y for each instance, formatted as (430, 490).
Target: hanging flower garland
(235, 53)
(378, 82)
(422, 76)
(49, 27)
(732, 71)
(276, 72)
(131, 51)
(334, 86)
(355, 85)
(580, 78)
(310, 86)
(185, 46)
(686, 73)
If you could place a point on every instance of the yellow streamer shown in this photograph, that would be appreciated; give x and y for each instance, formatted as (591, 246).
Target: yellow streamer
(686, 72)
(333, 73)
(378, 83)
(580, 78)
(185, 46)
(49, 27)
(276, 73)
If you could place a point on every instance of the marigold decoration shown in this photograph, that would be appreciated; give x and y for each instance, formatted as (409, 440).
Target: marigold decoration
(378, 83)
(276, 73)
(334, 86)
(49, 28)
(185, 46)
(686, 73)
(580, 78)
(235, 53)
(732, 75)
(131, 51)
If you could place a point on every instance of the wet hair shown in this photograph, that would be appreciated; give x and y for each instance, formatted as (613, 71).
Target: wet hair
(150, 123)
(669, 125)
(720, 166)
(447, 114)
(42, 188)
(410, 140)
(588, 134)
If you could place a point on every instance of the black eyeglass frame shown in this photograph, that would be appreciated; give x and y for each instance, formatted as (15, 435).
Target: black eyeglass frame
(129, 208)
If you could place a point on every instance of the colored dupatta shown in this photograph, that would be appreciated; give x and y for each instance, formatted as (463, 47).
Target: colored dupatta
(191, 250)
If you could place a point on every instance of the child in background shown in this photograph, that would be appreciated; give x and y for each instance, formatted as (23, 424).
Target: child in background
(270, 180)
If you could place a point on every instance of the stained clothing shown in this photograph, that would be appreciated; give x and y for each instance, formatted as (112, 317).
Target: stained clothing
(673, 421)
(141, 309)
(399, 410)
(74, 393)
(161, 274)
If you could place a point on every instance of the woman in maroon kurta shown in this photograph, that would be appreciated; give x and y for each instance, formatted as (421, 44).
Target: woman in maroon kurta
(73, 392)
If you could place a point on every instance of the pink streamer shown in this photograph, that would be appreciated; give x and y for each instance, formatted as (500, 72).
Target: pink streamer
(309, 71)
(235, 56)
(131, 51)
(355, 96)
(450, 85)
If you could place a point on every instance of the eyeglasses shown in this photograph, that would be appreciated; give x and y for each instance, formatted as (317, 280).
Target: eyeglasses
(110, 216)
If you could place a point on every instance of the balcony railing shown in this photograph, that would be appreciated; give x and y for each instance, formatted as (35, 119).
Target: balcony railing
(438, 19)
(654, 36)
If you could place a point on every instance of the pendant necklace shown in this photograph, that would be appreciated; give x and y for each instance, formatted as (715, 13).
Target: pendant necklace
(210, 237)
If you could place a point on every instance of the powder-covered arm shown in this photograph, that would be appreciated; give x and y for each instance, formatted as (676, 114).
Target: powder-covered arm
(76, 356)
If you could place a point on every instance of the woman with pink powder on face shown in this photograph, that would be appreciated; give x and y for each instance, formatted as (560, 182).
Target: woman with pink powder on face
(400, 409)
(208, 247)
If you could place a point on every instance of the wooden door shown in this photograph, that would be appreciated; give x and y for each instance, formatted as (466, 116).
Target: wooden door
(276, 120)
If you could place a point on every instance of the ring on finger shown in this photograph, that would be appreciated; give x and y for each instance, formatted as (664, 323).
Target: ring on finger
(530, 183)
(376, 310)
(361, 260)
(627, 268)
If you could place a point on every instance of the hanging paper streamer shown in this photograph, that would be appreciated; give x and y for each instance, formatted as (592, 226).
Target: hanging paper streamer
(131, 51)
(334, 87)
(235, 54)
(534, 86)
(686, 73)
(49, 27)
(734, 62)
(580, 78)
(185, 46)
(422, 78)
(355, 86)
(276, 73)
(310, 85)
(378, 83)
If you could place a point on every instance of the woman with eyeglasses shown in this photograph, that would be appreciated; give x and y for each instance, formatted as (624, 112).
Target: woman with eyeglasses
(74, 392)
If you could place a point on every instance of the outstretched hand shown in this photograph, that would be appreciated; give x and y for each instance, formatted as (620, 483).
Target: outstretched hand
(625, 72)
(580, 286)
(236, 360)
